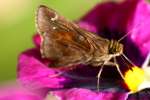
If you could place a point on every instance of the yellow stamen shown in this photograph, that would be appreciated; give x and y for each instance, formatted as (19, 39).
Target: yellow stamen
(134, 78)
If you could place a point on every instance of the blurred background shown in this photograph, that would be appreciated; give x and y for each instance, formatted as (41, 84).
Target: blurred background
(17, 26)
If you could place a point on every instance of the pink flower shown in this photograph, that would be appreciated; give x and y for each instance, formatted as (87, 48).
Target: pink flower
(110, 20)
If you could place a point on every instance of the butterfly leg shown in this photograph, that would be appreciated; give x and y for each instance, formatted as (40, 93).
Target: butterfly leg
(117, 66)
(98, 76)
(118, 69)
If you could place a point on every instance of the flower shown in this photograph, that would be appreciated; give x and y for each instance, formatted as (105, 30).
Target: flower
(110, 20)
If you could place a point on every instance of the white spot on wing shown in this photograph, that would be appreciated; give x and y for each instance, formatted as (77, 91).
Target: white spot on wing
(54, 28)
(55, 17)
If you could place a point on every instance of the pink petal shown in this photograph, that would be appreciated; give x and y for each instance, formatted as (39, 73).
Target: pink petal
(37, 40)
(139, 27)
(85, 94)
(113, 16)
(87, 26)
(31, 71)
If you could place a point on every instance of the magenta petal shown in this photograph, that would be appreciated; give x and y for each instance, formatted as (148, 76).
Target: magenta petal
(37, 40)
(85, 94)
(87, 26)
(31, 71)
(139, 27)
(110, 15)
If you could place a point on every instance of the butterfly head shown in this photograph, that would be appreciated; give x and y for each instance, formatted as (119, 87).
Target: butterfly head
(115, 48)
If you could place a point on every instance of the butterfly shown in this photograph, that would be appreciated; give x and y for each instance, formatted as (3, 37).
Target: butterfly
(66, 43)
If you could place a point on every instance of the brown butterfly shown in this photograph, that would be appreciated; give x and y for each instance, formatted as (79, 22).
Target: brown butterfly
(67, 44)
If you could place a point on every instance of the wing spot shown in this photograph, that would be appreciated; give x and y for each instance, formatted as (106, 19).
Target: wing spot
(55, 17)
(81, 38)
(54, 28)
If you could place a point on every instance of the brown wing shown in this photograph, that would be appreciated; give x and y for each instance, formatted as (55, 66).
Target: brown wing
(63, 41)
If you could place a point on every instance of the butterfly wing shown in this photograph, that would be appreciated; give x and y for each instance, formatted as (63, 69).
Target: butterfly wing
(63, 41)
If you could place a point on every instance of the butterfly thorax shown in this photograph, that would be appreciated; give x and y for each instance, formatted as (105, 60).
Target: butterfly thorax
(104, 53)
(115, 48)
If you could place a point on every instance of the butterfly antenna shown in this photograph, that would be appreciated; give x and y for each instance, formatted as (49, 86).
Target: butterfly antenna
(123, 37)
(128, 60)
(137, 25)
